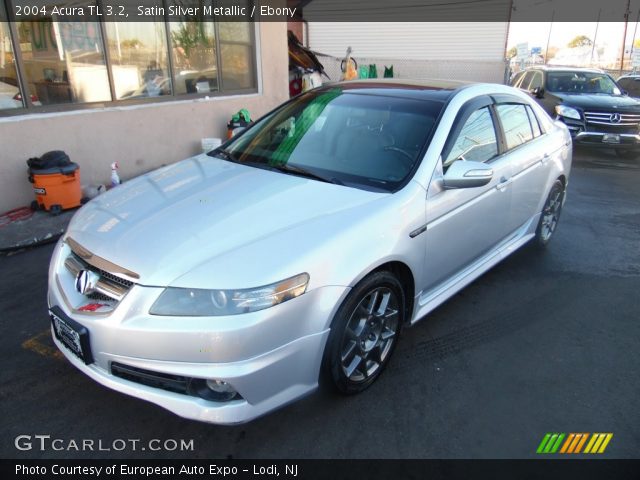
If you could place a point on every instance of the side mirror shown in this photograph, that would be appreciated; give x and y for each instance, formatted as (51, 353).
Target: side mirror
(538, 92)
(467, 174)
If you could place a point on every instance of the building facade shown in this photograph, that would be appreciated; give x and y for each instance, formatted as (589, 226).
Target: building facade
(143, 94)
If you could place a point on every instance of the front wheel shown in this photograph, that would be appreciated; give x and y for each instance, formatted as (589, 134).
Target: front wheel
(364, 333)
(550, 214)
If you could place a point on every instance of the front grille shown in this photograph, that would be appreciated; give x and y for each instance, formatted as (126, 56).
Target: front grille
(113, 278)
(108, 287)
(607, 118)
(164, 381)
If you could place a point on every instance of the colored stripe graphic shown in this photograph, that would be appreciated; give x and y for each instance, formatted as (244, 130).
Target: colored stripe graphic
(550, 443)
(556, 446)
(568, 442)
(544, 441)
(581, 443)
(574, 443)
(598, 443)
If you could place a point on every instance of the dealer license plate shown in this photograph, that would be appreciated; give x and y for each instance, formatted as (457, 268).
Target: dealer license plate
(71, 334)
(610, 138)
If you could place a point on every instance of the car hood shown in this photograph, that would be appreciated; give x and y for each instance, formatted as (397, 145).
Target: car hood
(166, 223)
(600, 101)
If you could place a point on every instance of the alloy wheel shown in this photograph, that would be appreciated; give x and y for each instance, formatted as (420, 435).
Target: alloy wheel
(370, 334)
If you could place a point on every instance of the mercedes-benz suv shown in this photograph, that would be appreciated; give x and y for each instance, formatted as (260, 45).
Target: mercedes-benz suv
(596, 110)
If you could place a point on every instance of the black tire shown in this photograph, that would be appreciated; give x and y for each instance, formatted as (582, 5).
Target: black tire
(35, 206)
(373, 340)
(627, 154)
(550, 215)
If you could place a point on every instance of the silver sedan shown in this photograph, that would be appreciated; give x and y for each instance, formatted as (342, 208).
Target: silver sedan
(227, 285)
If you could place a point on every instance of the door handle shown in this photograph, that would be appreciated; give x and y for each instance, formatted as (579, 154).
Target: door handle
(545, 159)
(504, 182)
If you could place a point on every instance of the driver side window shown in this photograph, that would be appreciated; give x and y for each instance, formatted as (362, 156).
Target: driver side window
(476, 141)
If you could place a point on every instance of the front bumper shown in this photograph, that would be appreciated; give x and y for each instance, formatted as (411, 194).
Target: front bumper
(590, 135)
(595, 139)
(281, 376)
(270, 357)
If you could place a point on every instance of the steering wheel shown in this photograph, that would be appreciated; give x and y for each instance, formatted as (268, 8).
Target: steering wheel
(405, 154)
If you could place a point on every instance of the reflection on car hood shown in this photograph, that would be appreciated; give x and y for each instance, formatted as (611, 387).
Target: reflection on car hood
(599, 101)
(165, 223)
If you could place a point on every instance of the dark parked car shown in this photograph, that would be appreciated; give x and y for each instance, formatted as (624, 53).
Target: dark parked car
(594, 107)
(630, 84)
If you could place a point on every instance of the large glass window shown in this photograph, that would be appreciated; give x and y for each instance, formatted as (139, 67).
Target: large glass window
(10, 96)
(63, 61)
(476, 141)
(138, 54)
(236, 52)
(194, 56)
(515, 123)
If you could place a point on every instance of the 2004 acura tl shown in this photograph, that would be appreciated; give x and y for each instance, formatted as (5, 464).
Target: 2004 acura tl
(226, 285)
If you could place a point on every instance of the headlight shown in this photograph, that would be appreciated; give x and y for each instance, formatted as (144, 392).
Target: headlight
(568, 112)
(198, 302)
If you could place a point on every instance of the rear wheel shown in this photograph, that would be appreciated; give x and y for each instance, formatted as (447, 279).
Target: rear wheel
(628, 154)
(550, 214)
(364, 333)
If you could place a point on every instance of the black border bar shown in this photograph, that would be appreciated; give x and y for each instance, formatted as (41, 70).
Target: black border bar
(333, 10)
(583, 469)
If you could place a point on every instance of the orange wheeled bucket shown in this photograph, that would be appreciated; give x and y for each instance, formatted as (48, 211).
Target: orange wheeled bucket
(57, 188)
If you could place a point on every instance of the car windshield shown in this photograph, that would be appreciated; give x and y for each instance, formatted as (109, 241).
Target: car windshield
(361, 140)
(581, 82)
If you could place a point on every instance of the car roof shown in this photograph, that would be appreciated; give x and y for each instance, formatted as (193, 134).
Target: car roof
(554, 68)
(434, 89)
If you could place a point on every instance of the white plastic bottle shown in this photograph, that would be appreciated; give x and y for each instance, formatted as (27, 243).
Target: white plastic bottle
(115, 179)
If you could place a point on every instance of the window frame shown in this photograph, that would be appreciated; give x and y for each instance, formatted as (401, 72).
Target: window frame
(505, 99)
(29, 108)
(460, 121)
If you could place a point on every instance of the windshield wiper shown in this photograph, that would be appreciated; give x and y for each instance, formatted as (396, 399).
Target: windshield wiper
(224, 154)
(294, 169)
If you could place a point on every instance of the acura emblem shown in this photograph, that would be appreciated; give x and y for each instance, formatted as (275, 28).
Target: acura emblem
(86, 281)
(614, 118)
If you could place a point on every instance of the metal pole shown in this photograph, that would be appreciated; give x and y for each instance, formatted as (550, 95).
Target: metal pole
(595, 35)
(633, 41)
(624, 36)
(546, 52)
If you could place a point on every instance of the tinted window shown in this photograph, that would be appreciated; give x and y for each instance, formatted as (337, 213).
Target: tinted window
(536, 81)
(516, 78)
(360, 140)
(581, 82)
(476, 141)
(534, 122)
(526, 80)
(631, 85)
(515, 123)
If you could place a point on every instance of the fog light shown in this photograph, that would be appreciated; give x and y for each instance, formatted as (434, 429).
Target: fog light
(213, 389)
(224, 392)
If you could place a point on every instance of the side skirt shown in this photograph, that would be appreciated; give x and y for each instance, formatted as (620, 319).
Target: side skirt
(428, 301)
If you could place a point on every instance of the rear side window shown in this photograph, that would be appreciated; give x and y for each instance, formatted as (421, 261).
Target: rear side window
(631, 85)
(476, 141)
(524, 84)
(536, 81)
(517, 78)
(515, 123)
(534, 122)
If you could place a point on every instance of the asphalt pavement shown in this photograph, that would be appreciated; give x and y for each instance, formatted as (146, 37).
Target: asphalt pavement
(545, 342)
